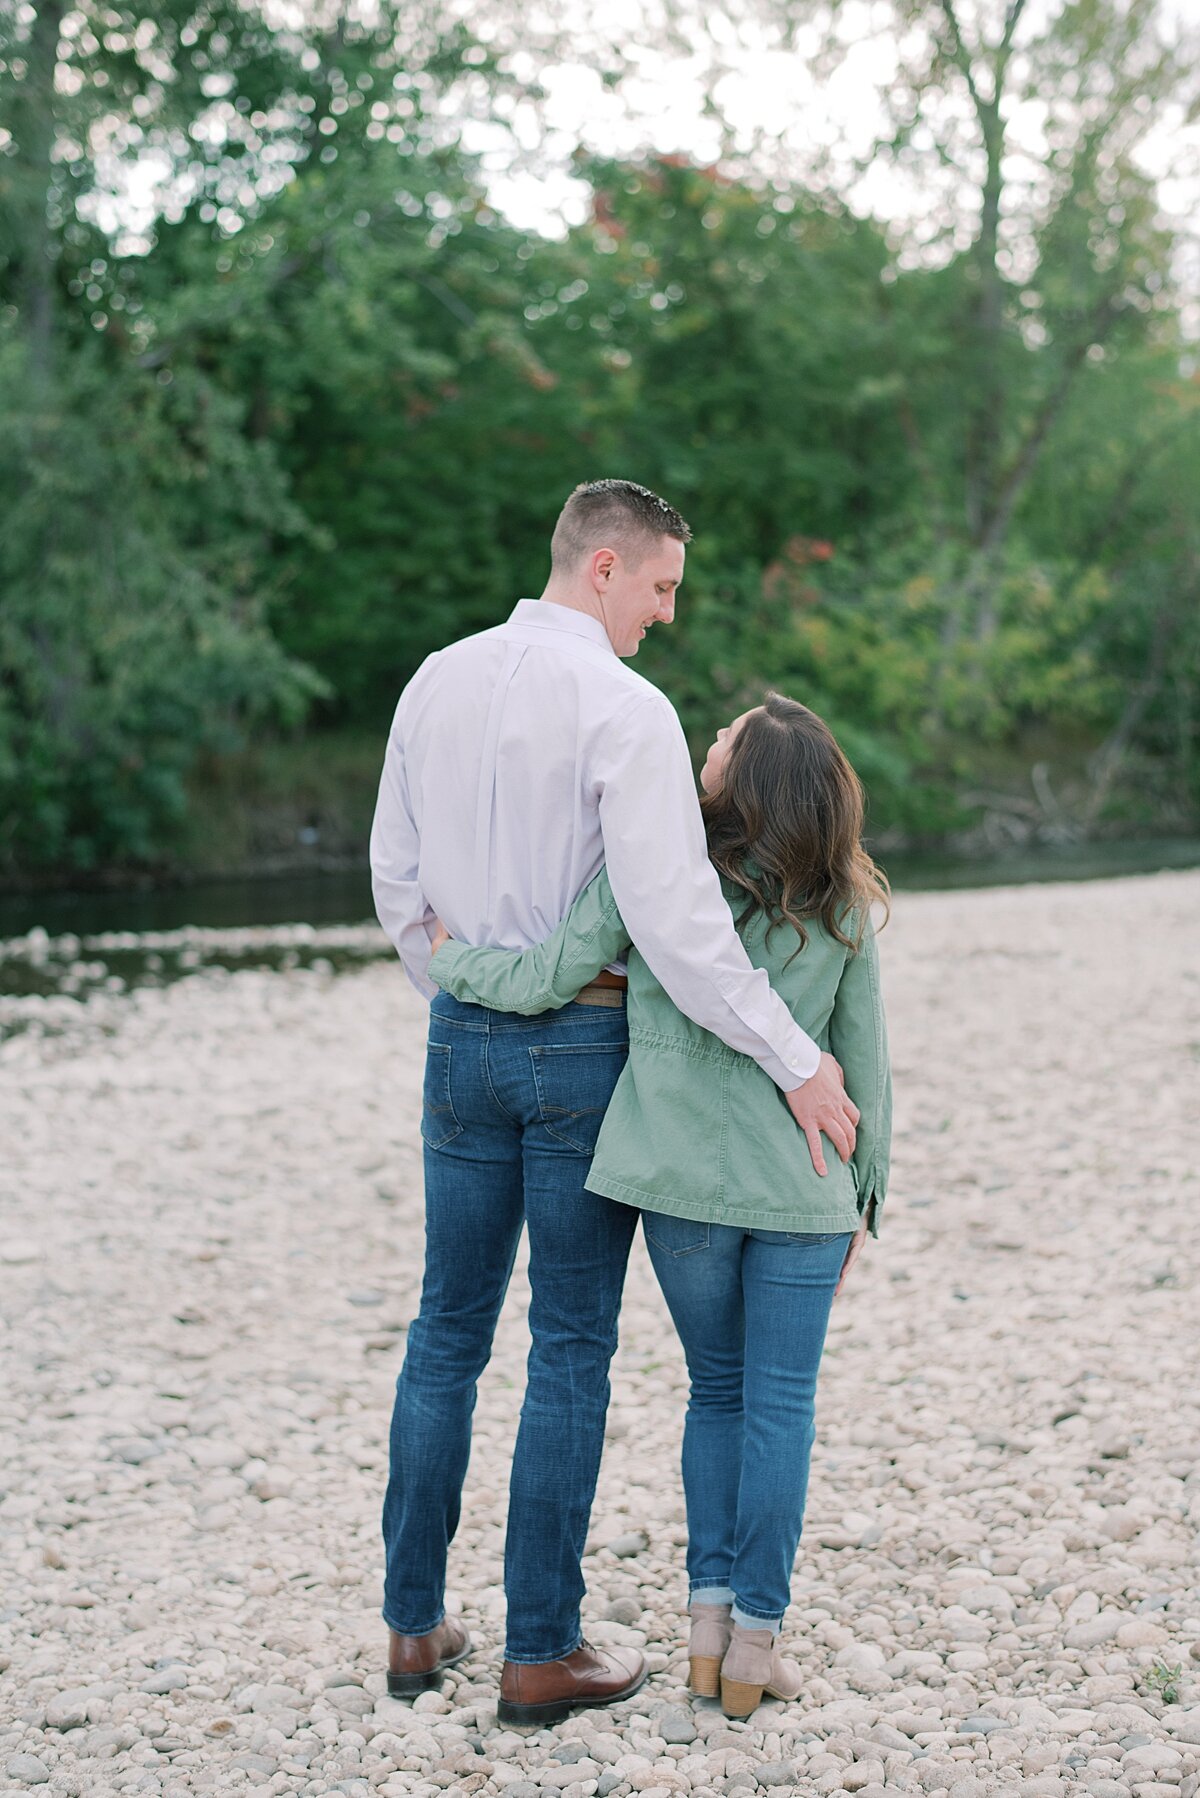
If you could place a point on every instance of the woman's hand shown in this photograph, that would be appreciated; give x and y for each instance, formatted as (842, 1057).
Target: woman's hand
(441, 935)
(853, 1252)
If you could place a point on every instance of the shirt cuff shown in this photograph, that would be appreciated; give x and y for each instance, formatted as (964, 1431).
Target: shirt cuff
(788, 1077)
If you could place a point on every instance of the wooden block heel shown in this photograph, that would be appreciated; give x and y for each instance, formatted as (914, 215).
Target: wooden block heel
(704, 1675)
(738, 1699)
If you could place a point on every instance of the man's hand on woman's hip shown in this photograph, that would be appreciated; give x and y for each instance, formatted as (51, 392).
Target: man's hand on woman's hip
(822, 1105)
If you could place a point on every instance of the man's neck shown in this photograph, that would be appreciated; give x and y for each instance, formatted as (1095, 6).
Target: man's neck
(583, 600)
(574, 599)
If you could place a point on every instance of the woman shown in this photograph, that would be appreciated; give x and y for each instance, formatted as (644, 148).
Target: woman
(748, 1242)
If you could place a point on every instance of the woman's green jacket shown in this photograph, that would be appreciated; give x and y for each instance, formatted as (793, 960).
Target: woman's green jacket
(694, 1128)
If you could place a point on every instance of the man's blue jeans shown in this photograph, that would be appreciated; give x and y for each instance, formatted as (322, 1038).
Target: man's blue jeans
(512, 1108)
(751, 1308)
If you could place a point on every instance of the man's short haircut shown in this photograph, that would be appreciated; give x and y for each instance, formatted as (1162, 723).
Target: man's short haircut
(616, 515)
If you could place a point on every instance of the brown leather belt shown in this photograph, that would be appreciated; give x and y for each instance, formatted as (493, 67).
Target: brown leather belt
(606, 989)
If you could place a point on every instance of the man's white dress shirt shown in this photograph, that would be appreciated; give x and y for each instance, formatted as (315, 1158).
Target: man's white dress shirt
(519, 762)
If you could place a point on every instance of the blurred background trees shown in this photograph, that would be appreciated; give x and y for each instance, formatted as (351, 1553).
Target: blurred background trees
(287, 404)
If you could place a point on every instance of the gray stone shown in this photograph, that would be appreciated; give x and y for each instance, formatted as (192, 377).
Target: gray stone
(351, 1701)
(607, 1782)
(624, 1610)
(254, 1763)
(67, 1710)
(775, 1773)
(19, 1254)
(675, 1725)
(525, 1788)
(1185, 1727)
(1093, 1631)
(271, 1698)
(134, 1453)
(29, 1768)
(171, 1679)
(883, 1735)
(981, 1725)
(567, 1753)
(632, 1543)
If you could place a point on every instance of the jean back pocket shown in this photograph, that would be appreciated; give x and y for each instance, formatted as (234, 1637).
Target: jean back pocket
(574, 1084)
(439, 1125)
(675, 1235)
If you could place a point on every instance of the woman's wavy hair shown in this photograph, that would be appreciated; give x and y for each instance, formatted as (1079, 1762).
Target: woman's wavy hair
(786, 825)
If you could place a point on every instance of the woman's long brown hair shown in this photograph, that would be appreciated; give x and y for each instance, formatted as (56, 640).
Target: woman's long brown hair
(786, 825)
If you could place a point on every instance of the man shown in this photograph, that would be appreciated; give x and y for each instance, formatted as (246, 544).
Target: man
(519, 761)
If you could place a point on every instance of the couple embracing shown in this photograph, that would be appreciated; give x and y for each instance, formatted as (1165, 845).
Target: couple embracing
(640, 1007)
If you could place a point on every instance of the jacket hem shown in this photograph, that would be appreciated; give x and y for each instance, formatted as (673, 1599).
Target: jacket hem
(747, 1217)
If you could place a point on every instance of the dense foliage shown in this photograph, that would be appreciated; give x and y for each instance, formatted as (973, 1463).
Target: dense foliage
(266, 449)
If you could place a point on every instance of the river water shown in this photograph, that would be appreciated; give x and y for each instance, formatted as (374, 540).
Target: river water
(62, 950)
(345, 897)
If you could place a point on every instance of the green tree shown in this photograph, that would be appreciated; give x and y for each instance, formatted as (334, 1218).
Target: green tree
(131, 636)
(147, 517)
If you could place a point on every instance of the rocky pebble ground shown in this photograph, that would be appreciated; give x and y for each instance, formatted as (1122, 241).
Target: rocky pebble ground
(211, 1200)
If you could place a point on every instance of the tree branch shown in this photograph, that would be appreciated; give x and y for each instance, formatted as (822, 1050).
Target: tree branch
(960, 56)
(1013, 484)
(1013, 19)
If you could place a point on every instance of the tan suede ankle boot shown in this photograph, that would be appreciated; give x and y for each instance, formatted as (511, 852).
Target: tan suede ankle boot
(754, 1667)
(711, 1630)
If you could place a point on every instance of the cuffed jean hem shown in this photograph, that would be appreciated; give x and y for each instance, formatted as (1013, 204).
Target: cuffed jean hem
(751, 1619)
(536, 1660)
(703, 1592)
(426, 1630)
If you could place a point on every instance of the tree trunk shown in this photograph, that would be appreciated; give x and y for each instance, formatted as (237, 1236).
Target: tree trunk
(35, 120)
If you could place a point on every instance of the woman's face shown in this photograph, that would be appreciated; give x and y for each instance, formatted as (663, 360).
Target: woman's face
(714, 764)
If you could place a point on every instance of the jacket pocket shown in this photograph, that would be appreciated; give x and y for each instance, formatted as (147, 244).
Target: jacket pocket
(439, 1125)
(574, 1083)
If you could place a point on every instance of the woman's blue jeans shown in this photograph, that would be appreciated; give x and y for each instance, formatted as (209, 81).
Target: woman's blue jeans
(512, 1109)
(751, 1308)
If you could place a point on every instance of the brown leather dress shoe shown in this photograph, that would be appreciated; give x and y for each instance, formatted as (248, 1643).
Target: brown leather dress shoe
(416, 1663)
(544, 1692)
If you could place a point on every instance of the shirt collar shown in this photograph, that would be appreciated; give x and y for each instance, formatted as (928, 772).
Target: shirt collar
(545, 615)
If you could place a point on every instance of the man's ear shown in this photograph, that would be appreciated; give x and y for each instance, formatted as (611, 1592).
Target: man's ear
(603, 563)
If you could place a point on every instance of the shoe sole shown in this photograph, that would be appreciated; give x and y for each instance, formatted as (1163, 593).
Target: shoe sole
(558, 1708)
(411, 1685)
(704, 1675)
